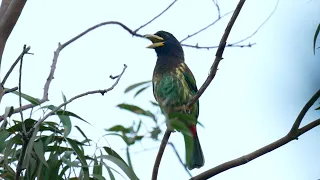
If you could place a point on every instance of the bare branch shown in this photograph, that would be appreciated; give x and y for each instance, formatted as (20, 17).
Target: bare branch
(303, 112)
(102, 24)
(160, 153)
(24, 132)
(219, 53)
(214, 47)
(274, 10)
(218, 7)
(211, 24)
(55, 59)
(10, 90)
(255, 154)
(79, 96)
(24, 51)
(10, 11)
(135, 31)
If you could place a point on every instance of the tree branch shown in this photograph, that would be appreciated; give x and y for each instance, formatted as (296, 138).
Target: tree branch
(24, 51)
(262, 24)
(303, 112)
(135, 31)
(160, 153)
(203, 29)
(79, 96)
(219, 53)
(214, 47)
(10, 12)
(293, 134)
(55, 59)
(24, 132)
(255, 154)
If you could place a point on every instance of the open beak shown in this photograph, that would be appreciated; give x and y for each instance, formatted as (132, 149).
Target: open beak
(157, 41)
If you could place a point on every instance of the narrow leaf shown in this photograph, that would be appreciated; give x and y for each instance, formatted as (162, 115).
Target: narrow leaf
(136, 110)
(31, 99)
(80, 155)
(315, 38)
(140, 91)
(125, 168)
(135, 85)
(38, 148)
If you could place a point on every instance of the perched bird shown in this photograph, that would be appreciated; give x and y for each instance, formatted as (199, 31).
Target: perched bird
(173, 86)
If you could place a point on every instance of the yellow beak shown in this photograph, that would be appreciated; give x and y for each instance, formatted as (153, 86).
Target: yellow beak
(156, 40)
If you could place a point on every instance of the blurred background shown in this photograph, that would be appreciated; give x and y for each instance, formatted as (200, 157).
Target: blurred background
(254, 99)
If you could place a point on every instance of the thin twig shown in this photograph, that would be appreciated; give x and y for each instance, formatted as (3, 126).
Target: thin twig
(160, 153)
(24, 51)
(24, 132)
(79, 96)
(203, 29)
(215, 2)
(99, 25)
(135, 31)
(180, 160)
(303, 112)
(219, 53)
(262, 24)
(6, 90)
(21, 157)
(214, 47)
(55, 59)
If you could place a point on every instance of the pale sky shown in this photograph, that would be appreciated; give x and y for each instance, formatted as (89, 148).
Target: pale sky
(253, 100)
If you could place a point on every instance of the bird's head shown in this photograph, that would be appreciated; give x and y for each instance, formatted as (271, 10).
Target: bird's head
(165, 44)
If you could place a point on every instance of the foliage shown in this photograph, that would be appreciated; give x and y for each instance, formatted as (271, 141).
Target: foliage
(51, 154)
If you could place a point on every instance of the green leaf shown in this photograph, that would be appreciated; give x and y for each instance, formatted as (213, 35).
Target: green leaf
(64, 100)
(155, 133)
(139, 126)
(66, 124)
(119, 128)
(70, 163)
(125, 168)
(136, 85)
(140, 91)
(154, 103)
(98, 177)
(68, 113)
(97, 168)
(113, 153)
(31, 99)
(62, 112)
(137, 110)
(80, 155)
(3, 136)
(315, 39)
(82, 133)
(110, 172)
(38, 148)
(29, 148)
(128, 157)
(8, 150)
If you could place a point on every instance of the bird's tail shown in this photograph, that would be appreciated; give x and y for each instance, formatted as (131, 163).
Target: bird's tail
(194, 155)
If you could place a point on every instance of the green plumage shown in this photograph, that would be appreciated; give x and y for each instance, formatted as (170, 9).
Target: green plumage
(173, 86)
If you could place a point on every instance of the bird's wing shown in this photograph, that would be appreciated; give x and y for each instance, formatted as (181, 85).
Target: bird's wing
(191, 81)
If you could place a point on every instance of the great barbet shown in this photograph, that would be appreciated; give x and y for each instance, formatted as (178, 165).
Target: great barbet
(173, 86)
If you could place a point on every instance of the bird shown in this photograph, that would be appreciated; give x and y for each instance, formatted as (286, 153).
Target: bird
(173, 86)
